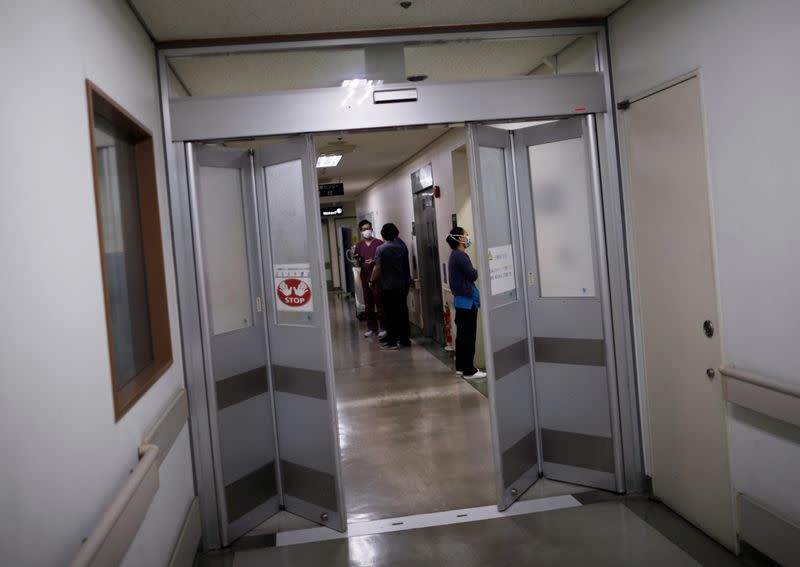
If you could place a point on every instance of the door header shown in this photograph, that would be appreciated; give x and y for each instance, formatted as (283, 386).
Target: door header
(339, 108)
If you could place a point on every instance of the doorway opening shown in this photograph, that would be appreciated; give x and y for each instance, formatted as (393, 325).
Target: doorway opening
(409, 435)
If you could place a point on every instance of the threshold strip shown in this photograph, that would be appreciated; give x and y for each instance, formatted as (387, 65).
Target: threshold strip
(417, 521)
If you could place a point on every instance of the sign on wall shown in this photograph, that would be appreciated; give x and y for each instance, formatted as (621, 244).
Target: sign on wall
(293, 287)
(501, 269)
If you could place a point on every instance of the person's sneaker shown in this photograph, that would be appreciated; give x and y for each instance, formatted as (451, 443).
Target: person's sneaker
(369, 333)
(459, 373)
(382, 335)
(390, 347)
(477, 376)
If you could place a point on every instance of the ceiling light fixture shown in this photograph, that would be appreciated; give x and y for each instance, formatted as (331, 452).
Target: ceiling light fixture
(328, 160)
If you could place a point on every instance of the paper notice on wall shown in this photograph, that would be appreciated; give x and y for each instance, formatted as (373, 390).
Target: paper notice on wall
(501, 269)
(293, 287)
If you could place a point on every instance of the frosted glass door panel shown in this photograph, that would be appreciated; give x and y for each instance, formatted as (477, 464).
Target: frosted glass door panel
(561, 210)
(287, 212)
(496, 210)
(224, 243)
(288, 231)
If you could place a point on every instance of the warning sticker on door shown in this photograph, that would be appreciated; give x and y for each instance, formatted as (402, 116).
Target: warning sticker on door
(293, 287)
(501, 269)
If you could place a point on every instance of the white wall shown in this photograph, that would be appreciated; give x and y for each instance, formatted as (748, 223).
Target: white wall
(390, 198)
(63, 456)
(463, 209)
(747, 54)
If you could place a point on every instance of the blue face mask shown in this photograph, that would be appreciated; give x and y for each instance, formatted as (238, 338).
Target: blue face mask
(461, 239)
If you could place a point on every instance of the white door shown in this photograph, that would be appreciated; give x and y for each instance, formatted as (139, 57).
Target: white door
(674, 267)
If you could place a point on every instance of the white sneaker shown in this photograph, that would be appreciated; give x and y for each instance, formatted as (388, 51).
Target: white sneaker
(459, 373)
(477, 376)
(382, 334)
(369, 333)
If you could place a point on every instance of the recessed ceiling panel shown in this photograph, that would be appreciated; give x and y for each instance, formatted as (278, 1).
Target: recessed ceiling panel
(196, 19)
(248, 73)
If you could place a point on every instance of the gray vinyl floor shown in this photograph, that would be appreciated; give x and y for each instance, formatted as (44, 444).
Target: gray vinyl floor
(416, 439)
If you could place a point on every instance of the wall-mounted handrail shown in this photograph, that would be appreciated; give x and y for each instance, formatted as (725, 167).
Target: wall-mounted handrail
(121, 521)
(775, 399)
(782, 387)
(117, 528)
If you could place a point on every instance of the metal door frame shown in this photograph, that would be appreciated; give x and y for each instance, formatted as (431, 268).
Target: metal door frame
(541, 97)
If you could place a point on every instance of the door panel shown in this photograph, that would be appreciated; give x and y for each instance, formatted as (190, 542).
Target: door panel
(674, 264)
(428, 265)
(565, 302)
(504, 316)
(223, 209)
(299, 331)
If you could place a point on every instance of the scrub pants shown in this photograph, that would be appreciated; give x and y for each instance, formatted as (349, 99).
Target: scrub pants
(373, 309)
(466, 328)
(395, 311)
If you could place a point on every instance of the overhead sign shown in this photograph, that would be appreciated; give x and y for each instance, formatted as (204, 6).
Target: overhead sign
(293, 287)
(331, 189)
(332, 211)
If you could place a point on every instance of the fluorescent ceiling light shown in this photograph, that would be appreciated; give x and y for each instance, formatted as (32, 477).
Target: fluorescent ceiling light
(329, 160)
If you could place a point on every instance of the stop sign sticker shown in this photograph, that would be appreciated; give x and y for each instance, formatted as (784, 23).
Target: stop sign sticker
(294, 294)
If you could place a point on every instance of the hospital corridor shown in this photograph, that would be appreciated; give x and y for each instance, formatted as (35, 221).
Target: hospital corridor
(392, 283)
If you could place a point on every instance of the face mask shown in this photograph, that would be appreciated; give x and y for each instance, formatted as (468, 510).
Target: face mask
(367, 234)
(465, 240)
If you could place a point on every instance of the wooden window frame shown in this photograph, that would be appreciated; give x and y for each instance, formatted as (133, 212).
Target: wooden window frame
(153, 252)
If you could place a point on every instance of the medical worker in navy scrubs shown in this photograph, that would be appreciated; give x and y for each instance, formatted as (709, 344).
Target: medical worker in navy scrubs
(466, 300)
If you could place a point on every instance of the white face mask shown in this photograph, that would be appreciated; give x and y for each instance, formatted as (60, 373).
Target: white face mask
(367, 234)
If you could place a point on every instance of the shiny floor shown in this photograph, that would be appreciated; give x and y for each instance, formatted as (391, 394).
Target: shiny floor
(415, 439)
(606, 531)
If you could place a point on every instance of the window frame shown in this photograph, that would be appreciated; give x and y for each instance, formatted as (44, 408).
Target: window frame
(99, 103)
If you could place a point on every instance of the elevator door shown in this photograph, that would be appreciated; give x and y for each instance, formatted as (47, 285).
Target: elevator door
(504, 315)
(243, 443)
(573, 364)
(298, 326)
(430, 274)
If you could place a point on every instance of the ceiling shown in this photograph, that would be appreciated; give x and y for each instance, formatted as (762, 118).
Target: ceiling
(198, 19)
(376, 154)
(366, 156)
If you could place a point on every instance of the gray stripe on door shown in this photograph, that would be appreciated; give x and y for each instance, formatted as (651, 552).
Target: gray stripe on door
(250, 491)
(241, 387)
(310, 485)
(508, 359)
(299, 381)
(578, 450)
(586, 352)
(519, 459)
